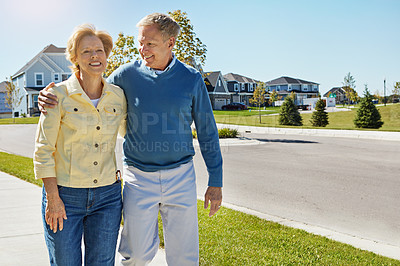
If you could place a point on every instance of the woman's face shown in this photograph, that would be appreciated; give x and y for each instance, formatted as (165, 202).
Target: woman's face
(91, 57)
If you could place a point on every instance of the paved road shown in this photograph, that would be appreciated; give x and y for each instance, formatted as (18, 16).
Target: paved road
(347, 185)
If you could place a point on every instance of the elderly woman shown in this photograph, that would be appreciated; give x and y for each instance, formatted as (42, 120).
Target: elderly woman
(74, 156)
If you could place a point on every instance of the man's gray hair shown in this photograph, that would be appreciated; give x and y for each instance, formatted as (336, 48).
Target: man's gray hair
(167, 25)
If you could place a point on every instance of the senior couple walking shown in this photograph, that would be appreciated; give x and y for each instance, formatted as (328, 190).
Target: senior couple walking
(152, 104)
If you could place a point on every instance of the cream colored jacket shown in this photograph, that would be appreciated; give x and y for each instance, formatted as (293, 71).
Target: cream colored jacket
(75, 142)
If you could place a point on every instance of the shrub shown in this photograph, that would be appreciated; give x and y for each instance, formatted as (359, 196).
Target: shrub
(319, 117)
(223, 133)
(227, 133)
(368, 115)
(289, 115)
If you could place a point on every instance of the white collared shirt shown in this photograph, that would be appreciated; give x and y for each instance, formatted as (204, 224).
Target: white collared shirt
(158, 72)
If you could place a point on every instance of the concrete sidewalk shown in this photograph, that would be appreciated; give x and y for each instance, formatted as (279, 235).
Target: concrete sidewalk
(21, 228)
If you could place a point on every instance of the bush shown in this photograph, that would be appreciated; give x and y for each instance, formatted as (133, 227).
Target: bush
(223, 133)
(289, 115)
(227, 133)
(319, 117)
(367, 115)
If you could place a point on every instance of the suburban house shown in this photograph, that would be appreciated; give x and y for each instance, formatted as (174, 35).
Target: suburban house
(217, 89)
(240, 87)
(338, 93)
(284, 86)
(5, 111)
(49, 65)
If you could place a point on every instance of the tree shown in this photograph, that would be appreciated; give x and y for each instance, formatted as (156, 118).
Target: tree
(349, 85)
(259, 97)
(188, 48)
(13, 98)
(319, 117)
(273, 97)
(289, 115)
(368, 115)
(396, 90)
(124, 51)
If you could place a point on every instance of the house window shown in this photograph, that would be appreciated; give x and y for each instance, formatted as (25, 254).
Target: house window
(219, 83)
(236, 87)
(65, 76)
(243, 88)
(305, 87)
(289, 87)
(39, 79)
(251, 87)
(35, 101)
(315, 87)
(278, 88)
(56, 77)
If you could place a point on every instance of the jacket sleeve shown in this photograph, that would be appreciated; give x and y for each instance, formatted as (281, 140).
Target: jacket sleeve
(122, 127)
(45, 141)
(207, 133)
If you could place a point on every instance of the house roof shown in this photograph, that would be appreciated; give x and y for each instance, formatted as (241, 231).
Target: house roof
(3, 86)
(48, 49)
(34, 88)
(288, 80)
(239, 78)
(339, 90)
(212, 77)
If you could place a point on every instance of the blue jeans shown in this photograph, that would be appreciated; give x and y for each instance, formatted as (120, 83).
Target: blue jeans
(95, 214)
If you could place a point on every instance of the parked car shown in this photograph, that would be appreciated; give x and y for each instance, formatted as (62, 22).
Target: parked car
(234, 106)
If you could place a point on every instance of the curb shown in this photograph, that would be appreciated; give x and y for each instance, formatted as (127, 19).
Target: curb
(358, 134)
(376, 247)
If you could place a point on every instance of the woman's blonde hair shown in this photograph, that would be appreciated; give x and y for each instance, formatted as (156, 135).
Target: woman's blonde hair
(76, 37)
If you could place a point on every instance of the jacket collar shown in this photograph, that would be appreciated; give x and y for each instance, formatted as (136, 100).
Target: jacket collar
(74, 87)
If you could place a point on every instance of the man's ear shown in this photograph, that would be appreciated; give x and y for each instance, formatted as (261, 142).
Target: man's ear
(171, 42)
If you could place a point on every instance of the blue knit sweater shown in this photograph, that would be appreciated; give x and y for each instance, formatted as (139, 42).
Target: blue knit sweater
(161, 109)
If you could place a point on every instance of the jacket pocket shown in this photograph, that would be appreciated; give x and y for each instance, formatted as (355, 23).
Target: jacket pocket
(113, 116)
(77, 118)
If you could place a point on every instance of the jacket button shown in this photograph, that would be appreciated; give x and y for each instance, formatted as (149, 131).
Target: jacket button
(96, 145)
(98, 110)
(76, 109)
(95, 181)
(98, 127)
(95, 163)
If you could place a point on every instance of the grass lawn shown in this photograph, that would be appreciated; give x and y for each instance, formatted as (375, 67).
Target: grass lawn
(235, 238)
(20, 120)
(337, 120)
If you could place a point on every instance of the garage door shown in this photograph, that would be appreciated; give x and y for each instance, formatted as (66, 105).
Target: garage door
(219, 103)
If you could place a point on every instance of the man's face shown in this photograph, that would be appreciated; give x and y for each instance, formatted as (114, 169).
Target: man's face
(154, 50)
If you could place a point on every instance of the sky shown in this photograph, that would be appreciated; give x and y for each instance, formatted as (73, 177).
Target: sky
(314, 40)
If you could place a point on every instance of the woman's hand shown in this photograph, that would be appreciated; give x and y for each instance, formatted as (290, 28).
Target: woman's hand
(55, 213)
(55, 209)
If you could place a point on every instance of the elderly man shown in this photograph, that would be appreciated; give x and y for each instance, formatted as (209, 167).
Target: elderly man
(164, 97)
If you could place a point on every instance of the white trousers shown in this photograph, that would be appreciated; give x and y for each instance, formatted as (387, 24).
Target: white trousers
(172, 193)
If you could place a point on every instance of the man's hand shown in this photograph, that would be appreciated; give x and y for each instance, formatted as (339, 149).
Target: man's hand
(213, 195)
(47, 99)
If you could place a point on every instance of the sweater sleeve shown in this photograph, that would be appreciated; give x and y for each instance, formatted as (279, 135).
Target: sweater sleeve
(45, 141)
(207, 133)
